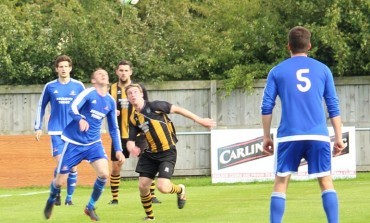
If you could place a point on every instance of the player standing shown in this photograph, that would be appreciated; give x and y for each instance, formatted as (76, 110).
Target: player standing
(60, 94)
(124, 72)
(302, 83)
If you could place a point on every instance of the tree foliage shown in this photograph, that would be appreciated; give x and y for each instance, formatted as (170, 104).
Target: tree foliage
(234, 41)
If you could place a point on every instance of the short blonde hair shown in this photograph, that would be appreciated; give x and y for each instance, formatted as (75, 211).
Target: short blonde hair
(132, 86)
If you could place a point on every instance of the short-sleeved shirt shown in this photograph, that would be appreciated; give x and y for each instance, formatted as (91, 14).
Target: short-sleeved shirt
(157, 127)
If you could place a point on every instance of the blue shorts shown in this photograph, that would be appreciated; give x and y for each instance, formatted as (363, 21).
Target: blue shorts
(57, 145)
(73, 155)
(290, 154)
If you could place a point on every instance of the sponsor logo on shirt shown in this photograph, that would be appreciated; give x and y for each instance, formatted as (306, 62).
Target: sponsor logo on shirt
(96, 114)
(144, 126)
(64, 100)
(123, 102)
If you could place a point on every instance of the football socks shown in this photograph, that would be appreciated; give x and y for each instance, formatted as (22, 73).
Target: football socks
(97, 191)
(54, 191)
(71, 185)
(330, 203)
(277, 207)
(146, 201)
(114, 185)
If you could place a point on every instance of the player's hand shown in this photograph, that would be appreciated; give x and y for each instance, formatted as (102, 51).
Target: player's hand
(118, 112)
(84, 125)
(338, 147)
(268, 146)
(120, 157)
(135, 151)
(38, 134)
(208, 122)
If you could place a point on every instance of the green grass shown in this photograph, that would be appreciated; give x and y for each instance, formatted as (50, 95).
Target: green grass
(240, 202)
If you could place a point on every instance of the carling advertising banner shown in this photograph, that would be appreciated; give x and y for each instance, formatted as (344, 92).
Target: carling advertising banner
(237, 156)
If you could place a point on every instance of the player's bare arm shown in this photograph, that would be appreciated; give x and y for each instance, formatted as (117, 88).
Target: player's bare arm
(268, 144)
(338, 141)
(206, 122)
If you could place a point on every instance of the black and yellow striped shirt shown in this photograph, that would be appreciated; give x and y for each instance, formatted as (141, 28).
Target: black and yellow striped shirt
(124, 107)
(157, 127)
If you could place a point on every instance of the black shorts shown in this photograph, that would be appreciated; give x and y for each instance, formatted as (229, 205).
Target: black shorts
(140, 142)
(150, 164)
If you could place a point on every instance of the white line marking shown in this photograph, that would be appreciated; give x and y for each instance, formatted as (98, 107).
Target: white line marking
(33, 193)
(5, 195)
(24, 194)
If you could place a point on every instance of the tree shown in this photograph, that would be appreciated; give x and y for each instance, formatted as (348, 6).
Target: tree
(234, 41)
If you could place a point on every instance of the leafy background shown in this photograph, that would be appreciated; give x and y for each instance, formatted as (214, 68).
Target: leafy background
(237, 41)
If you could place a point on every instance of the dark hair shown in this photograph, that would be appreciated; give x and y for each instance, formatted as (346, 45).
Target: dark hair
(125, 62)
(93, 73)
(299, 39)
(62, 58)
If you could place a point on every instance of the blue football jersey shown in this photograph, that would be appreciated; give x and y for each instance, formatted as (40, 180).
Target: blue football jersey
(92, 107)
(302, 84)
(60, 97)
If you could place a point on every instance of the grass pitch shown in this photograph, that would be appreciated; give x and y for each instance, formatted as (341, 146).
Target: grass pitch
(206, 202)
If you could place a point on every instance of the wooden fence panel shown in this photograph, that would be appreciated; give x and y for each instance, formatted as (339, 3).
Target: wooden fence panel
(239, 110)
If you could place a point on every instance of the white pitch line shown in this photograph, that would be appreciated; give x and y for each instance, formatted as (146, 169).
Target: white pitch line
(24, 194)
(33, 193)
(5, 195)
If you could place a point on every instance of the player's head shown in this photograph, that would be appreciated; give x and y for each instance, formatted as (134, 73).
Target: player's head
(299, 40)
(62, 58)
(63, 66)
(124, 71)
(134, 93)
(100, 77)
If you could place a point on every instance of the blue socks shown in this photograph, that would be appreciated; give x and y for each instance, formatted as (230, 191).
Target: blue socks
(330, 203)
(71, 185)
(97, 191)
(54, 191)
(277, 207)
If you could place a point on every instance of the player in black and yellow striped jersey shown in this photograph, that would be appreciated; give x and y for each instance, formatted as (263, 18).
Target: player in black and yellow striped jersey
(151, 118)
(124, 72)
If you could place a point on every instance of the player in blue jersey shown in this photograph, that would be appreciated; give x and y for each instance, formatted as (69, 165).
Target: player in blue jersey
(302, 83)
(59, 94)
(82, 138)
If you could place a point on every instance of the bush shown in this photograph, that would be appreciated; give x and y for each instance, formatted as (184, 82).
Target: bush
(235, 41)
